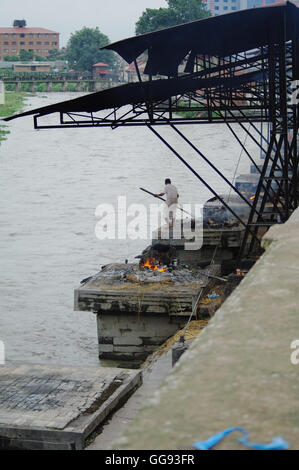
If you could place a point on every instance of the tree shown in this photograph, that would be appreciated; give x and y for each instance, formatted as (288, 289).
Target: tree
(153, 19)
(189, 10)
(82, 50)
(40, 58)
(178, 12)
(11, 58)
(26, 55)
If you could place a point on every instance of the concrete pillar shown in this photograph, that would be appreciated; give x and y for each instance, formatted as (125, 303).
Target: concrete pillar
(133, 337)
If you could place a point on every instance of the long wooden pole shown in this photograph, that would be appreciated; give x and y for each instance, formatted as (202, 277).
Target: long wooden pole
(159, 197)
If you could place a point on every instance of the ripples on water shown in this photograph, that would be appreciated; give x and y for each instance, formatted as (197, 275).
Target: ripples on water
(52, 181)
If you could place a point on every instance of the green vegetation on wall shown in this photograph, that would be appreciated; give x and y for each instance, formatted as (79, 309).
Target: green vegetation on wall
(14, 102)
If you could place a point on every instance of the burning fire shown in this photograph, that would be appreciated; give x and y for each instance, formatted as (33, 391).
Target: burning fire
(252, 197)
(153, 264)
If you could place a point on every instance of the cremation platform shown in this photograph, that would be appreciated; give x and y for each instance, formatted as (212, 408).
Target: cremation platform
(51, 407)
(138, 309)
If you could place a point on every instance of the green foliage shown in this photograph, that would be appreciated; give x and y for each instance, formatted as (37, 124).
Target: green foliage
(3, 132)
(11, 58)
(25, 87)
(154, 19)
(82, 50)
(57, 87)
(41, 87)
(26, 55)
(55, 54)
(13, 103)
(39, 58)
(178, 12)
(71, 87)
(188, 10)
(10, 86)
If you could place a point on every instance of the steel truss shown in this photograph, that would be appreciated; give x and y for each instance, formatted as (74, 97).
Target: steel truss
(247, 88)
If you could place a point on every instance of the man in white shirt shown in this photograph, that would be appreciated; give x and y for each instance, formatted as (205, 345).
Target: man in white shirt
(171, 201)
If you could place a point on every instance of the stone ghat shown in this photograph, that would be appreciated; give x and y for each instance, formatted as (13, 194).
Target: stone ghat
(57, 407)
(138, 309)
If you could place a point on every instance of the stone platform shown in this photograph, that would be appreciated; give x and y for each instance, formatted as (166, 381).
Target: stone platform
(47, 407)
(138, 310)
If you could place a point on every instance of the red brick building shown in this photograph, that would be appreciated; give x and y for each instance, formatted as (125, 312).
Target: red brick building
(39, 40)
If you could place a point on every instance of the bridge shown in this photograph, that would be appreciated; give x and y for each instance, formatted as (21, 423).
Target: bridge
(48, 82)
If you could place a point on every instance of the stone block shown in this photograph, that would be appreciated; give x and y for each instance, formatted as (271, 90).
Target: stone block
(105, 339)
(127, 340)
(127, 349)
(105, 347)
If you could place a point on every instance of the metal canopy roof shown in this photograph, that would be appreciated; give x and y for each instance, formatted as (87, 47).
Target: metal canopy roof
(216, 36)
(221, 35)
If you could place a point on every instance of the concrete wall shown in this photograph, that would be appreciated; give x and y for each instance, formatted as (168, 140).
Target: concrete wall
(133, 337)
(239, 371)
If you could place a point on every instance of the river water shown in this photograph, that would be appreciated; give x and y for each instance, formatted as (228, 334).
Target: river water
(51, 183)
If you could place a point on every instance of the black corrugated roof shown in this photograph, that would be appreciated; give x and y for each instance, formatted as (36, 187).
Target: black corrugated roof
(221, 35)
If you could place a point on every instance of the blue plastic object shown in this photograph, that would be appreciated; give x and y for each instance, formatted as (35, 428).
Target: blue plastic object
(278, 443)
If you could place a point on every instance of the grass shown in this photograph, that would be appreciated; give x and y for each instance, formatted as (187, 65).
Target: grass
(14, 102)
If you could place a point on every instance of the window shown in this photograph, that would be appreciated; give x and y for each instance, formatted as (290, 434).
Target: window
(22, 35)
(216, 8)
(47, 43)
(14, 50)
(224, 8)
(22, 43)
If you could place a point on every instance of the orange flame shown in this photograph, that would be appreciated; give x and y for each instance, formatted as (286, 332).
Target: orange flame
(151, 263)
(252, 197)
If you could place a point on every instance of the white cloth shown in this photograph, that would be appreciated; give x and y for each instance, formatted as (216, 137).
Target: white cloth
(171, 194)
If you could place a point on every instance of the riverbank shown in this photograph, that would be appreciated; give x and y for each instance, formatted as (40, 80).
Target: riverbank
(14, 101)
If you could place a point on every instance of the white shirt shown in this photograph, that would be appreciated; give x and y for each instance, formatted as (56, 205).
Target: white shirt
(171, 194)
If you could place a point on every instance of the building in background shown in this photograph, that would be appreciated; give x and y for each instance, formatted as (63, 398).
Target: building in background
(220, 7)
(39, 40)
(100, 69)
(31, 67)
